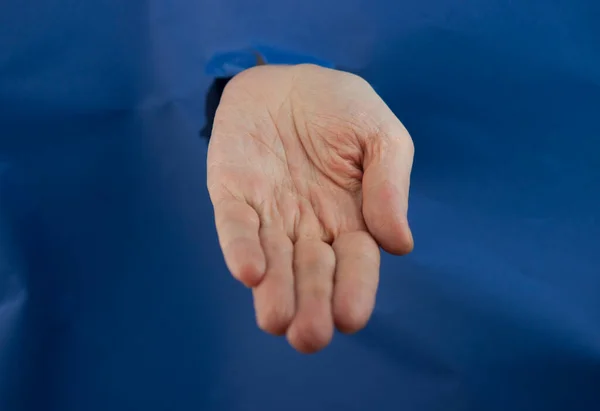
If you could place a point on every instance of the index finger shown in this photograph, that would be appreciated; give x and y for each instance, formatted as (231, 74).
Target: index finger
(356, 280)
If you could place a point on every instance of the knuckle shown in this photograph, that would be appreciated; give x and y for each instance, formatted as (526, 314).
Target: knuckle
(318, 290)
(277, 243)
(317, 256)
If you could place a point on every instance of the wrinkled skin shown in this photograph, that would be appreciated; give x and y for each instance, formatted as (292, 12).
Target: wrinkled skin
(308, 172)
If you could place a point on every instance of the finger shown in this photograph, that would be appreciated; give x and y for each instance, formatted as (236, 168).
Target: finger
(386, 181)
(314, 265)
(356, 280)
(274, 297)
(237, 227)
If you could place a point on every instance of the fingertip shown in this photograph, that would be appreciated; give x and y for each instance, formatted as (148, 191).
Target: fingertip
(385, 210)
(392, 234)
(246, 261)
(275, 321)
(310, 337)
(249, 273)
(354, 300)
(350, 318)
(398, 240)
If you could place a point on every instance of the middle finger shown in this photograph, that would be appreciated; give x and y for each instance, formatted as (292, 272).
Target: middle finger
(314, 268)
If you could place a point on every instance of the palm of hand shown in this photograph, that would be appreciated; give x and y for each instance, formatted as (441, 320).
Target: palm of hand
(308, 173)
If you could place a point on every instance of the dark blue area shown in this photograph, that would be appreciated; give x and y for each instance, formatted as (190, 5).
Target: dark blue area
(113, 292)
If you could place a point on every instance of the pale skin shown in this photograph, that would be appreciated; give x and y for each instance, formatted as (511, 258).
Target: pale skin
(308, 172)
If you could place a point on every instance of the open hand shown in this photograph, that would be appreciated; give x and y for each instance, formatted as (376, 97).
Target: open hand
(308, 172)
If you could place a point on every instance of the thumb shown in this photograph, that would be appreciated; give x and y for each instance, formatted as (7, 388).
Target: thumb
(387, 166)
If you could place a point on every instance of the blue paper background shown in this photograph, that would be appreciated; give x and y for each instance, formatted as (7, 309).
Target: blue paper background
(113, 293)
